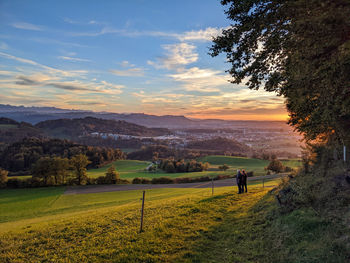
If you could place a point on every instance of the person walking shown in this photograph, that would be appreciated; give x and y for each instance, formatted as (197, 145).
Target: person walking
(239, 181)
(244, 181)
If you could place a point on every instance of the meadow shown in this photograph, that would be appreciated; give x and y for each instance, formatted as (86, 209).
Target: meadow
(179, 226)
(130, 169)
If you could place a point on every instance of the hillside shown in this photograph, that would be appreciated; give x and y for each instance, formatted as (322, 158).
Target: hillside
(12, 131)
(73, 128)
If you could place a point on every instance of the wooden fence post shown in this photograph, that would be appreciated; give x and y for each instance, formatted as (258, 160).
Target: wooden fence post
(143, 205)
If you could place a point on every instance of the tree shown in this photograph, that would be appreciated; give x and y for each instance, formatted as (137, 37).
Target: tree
(224, 167)
(79, 163)
(3, 177)
(51, 169)
(112, 176)
(59, 169)
(275, 166)
(299, 49)
(42, 170)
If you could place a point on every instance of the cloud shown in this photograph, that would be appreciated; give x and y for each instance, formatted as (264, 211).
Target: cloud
(68, 86)
(200, 79)
(131, 72)
(177, 55)
(51, 70)
(90, 103)
(200, 35)
(73, 59)
(126, 64)
(26, 81)
(27, 26)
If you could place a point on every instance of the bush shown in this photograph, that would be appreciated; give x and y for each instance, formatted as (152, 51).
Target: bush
(288, 169)
(3, 178)
(162, 180)
(250, 174)
(139, 180)
(275, 166)
(136, 180)
(145, 181)
(223, 167)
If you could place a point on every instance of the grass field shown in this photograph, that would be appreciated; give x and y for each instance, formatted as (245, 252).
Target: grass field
(130, 169)
(181, 225)
(249, 164)
(28, 203)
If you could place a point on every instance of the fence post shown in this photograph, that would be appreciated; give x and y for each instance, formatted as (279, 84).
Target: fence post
(212, 186)
(344, 150)
(143, 204)
(263, 182)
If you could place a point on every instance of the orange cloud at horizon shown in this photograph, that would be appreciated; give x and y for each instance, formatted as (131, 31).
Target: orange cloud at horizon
(243, 117)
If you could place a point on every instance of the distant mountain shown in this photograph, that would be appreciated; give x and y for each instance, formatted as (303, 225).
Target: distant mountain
(34, 115)
(74, 128)
(38, 114)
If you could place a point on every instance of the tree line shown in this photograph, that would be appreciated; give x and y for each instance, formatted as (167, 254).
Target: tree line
(55, 171)
(19, 157)
(182, 166)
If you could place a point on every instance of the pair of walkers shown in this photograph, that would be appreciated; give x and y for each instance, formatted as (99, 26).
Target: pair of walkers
(241, 180)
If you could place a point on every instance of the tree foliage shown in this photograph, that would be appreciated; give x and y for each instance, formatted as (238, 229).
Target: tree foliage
(180, 166)
(53, 171)
(299, 49)
(3, 177)
(79, 163)
(20, 156)
(276, 166)
(223, 167)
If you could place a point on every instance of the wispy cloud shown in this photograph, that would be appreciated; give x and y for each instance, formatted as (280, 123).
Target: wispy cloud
(34, 63)
(129, 70)
(200, 79)
(203, 35)
(42, 80)
(177, 55)
(200, 35)
(74, 59)
(27, 26)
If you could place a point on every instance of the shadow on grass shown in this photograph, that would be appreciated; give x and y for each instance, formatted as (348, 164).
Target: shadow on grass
(254, 230)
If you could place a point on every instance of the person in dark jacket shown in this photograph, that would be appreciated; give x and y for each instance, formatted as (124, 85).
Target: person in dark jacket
(244, 181)
(239, 181)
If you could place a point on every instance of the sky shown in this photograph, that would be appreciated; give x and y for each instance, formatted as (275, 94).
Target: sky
(144, 56)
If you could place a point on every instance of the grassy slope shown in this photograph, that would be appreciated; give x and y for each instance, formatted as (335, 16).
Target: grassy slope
(130, 169)
(249, 164)
(23, 204)
(184, 227)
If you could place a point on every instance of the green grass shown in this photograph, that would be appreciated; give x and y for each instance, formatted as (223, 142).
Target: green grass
(249, 164)
(174, 222)
(26, 203)
(130, 169)
(181, 225)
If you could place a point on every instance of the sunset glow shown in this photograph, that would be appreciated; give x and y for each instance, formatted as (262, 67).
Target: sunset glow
(123, 56)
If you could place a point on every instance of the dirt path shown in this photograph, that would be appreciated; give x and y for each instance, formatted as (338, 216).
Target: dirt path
(88, 189)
